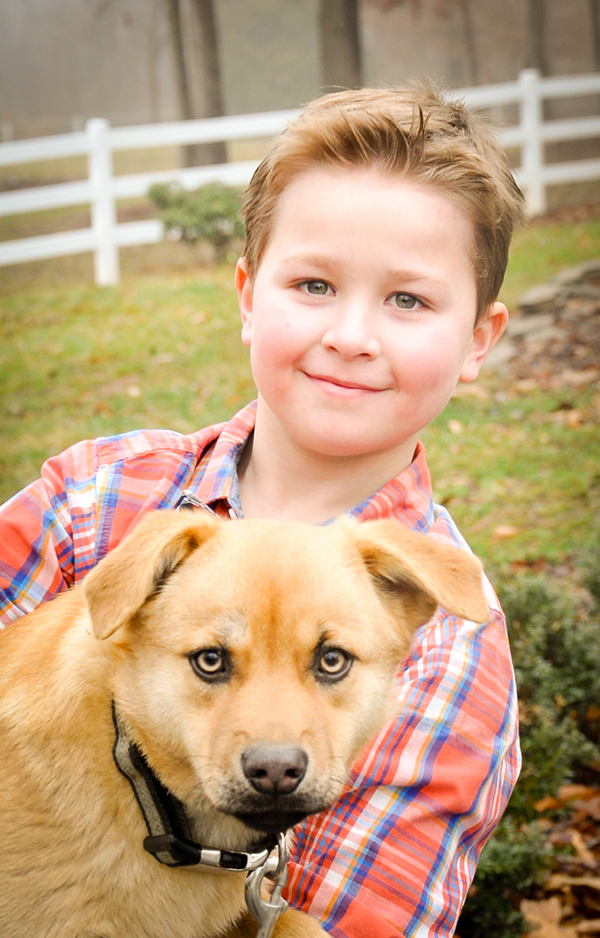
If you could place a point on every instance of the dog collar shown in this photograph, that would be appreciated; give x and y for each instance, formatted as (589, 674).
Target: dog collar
(169, 839)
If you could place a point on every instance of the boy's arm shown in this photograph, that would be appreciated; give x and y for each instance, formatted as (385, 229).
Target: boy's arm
(37, 556)
(396, 855)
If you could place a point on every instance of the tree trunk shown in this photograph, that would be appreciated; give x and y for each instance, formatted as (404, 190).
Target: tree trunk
(210, 72)
(595, 17)
(536, 51)
(186, 110)
(340, 44)
(469, 34)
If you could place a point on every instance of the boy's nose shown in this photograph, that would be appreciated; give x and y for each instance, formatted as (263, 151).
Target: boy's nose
(350, 334)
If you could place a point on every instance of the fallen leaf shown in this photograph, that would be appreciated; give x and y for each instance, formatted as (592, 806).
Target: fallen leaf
(103, 407)
(545, 918)
(503, 531)
(588, 926)
(546, 804)
(134, 390)
(581, 792)
(471, 390)
(455, 427)
(527, 384)
(577, 378)
(584, 855)
(560, 881)
(547, 911)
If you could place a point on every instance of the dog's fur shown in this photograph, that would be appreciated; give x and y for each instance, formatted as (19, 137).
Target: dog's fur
(273, 598)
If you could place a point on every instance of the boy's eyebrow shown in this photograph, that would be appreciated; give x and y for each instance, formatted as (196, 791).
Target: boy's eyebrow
(324, 262)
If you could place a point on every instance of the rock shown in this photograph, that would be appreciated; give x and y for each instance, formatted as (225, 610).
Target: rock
(540, 299)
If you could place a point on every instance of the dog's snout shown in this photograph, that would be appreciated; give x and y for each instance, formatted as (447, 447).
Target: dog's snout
(274, 770)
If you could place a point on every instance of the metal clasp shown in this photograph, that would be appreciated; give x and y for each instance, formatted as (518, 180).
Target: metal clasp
(266, 912)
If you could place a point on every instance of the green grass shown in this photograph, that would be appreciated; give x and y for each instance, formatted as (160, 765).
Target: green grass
(163, 350)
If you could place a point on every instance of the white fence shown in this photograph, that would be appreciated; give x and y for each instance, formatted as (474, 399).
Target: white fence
(102, 189)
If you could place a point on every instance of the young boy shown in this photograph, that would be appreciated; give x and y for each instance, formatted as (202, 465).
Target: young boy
(377, 236)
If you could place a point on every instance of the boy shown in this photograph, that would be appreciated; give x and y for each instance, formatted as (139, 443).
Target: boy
(377, 236)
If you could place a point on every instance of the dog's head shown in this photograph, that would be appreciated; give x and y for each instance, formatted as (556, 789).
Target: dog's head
(254, 660)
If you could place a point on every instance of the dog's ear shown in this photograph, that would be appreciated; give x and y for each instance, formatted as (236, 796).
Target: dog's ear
(134, 570)
(422, 571)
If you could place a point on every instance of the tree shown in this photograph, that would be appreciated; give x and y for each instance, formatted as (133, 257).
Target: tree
(595, 17)
(536, 29)
(208, 69)
(339, 33)
(445, 8)
(210, 72)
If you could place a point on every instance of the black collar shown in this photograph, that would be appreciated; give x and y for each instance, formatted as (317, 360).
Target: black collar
(169, 837)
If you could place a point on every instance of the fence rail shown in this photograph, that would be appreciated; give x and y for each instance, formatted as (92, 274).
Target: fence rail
(102, 189)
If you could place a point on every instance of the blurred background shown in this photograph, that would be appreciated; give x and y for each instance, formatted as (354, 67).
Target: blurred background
(137, 61)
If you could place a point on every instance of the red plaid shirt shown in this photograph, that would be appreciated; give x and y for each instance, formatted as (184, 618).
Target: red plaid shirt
(397, 853)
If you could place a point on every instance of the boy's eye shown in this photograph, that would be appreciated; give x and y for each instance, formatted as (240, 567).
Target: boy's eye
(405, 301)
(315, 287)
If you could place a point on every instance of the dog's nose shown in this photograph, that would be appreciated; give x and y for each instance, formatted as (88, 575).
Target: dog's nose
(274, 770)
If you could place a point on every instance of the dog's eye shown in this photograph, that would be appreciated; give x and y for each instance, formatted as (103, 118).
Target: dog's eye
(211, 664)
(333, 664)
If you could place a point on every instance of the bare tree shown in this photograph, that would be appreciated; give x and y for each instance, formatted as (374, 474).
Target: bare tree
(182, 81)
(210, 72)
(469, 37)
(339, 32)
(536, 30)
(208, 69)
(595, 17)
(444, 8)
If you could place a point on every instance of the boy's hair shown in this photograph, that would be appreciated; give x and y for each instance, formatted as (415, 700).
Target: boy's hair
(413, 132)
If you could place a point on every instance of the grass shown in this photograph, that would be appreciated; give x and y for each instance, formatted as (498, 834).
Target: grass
(163, 349)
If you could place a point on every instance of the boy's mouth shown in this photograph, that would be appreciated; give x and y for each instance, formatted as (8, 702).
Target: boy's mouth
(342, 387)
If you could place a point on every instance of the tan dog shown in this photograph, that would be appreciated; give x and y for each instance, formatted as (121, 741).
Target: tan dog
(250, 662)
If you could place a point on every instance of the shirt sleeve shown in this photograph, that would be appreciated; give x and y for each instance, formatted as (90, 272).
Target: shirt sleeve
(397, 853)
(38, 558)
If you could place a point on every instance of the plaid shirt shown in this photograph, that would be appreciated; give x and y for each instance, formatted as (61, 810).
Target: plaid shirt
(397, 853)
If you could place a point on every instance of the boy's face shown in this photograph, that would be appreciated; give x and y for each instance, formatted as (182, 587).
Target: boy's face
(360, 319)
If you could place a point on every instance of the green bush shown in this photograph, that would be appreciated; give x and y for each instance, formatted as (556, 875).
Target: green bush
(555, 640)
(210, 214)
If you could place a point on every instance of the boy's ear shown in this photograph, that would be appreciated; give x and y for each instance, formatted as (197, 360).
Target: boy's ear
(485, 335)
(243, 285)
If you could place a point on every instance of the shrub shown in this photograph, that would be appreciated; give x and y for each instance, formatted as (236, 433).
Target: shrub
(210, 214)
(555, 640)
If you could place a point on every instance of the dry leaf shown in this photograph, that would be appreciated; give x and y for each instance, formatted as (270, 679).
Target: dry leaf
(584, 855)
(502, 531)
(455, 427)
(581, 792)
(545, 918)
(559, 881)
(471, 390)
(548, 911)
(546, 804)
(578, 378)
(527, 384)
(588, 926)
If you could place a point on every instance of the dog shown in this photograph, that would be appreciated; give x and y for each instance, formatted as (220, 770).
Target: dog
(243, 666)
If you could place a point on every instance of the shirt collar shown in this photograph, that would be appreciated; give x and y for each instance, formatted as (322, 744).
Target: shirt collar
(407, 497)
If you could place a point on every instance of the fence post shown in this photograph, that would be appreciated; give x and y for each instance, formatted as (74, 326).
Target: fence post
(106, 254)
(533, 148)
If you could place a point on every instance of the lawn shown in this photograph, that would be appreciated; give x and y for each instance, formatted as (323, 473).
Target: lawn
(163, 350)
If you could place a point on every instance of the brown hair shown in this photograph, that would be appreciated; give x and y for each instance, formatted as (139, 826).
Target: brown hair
(413, 132)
